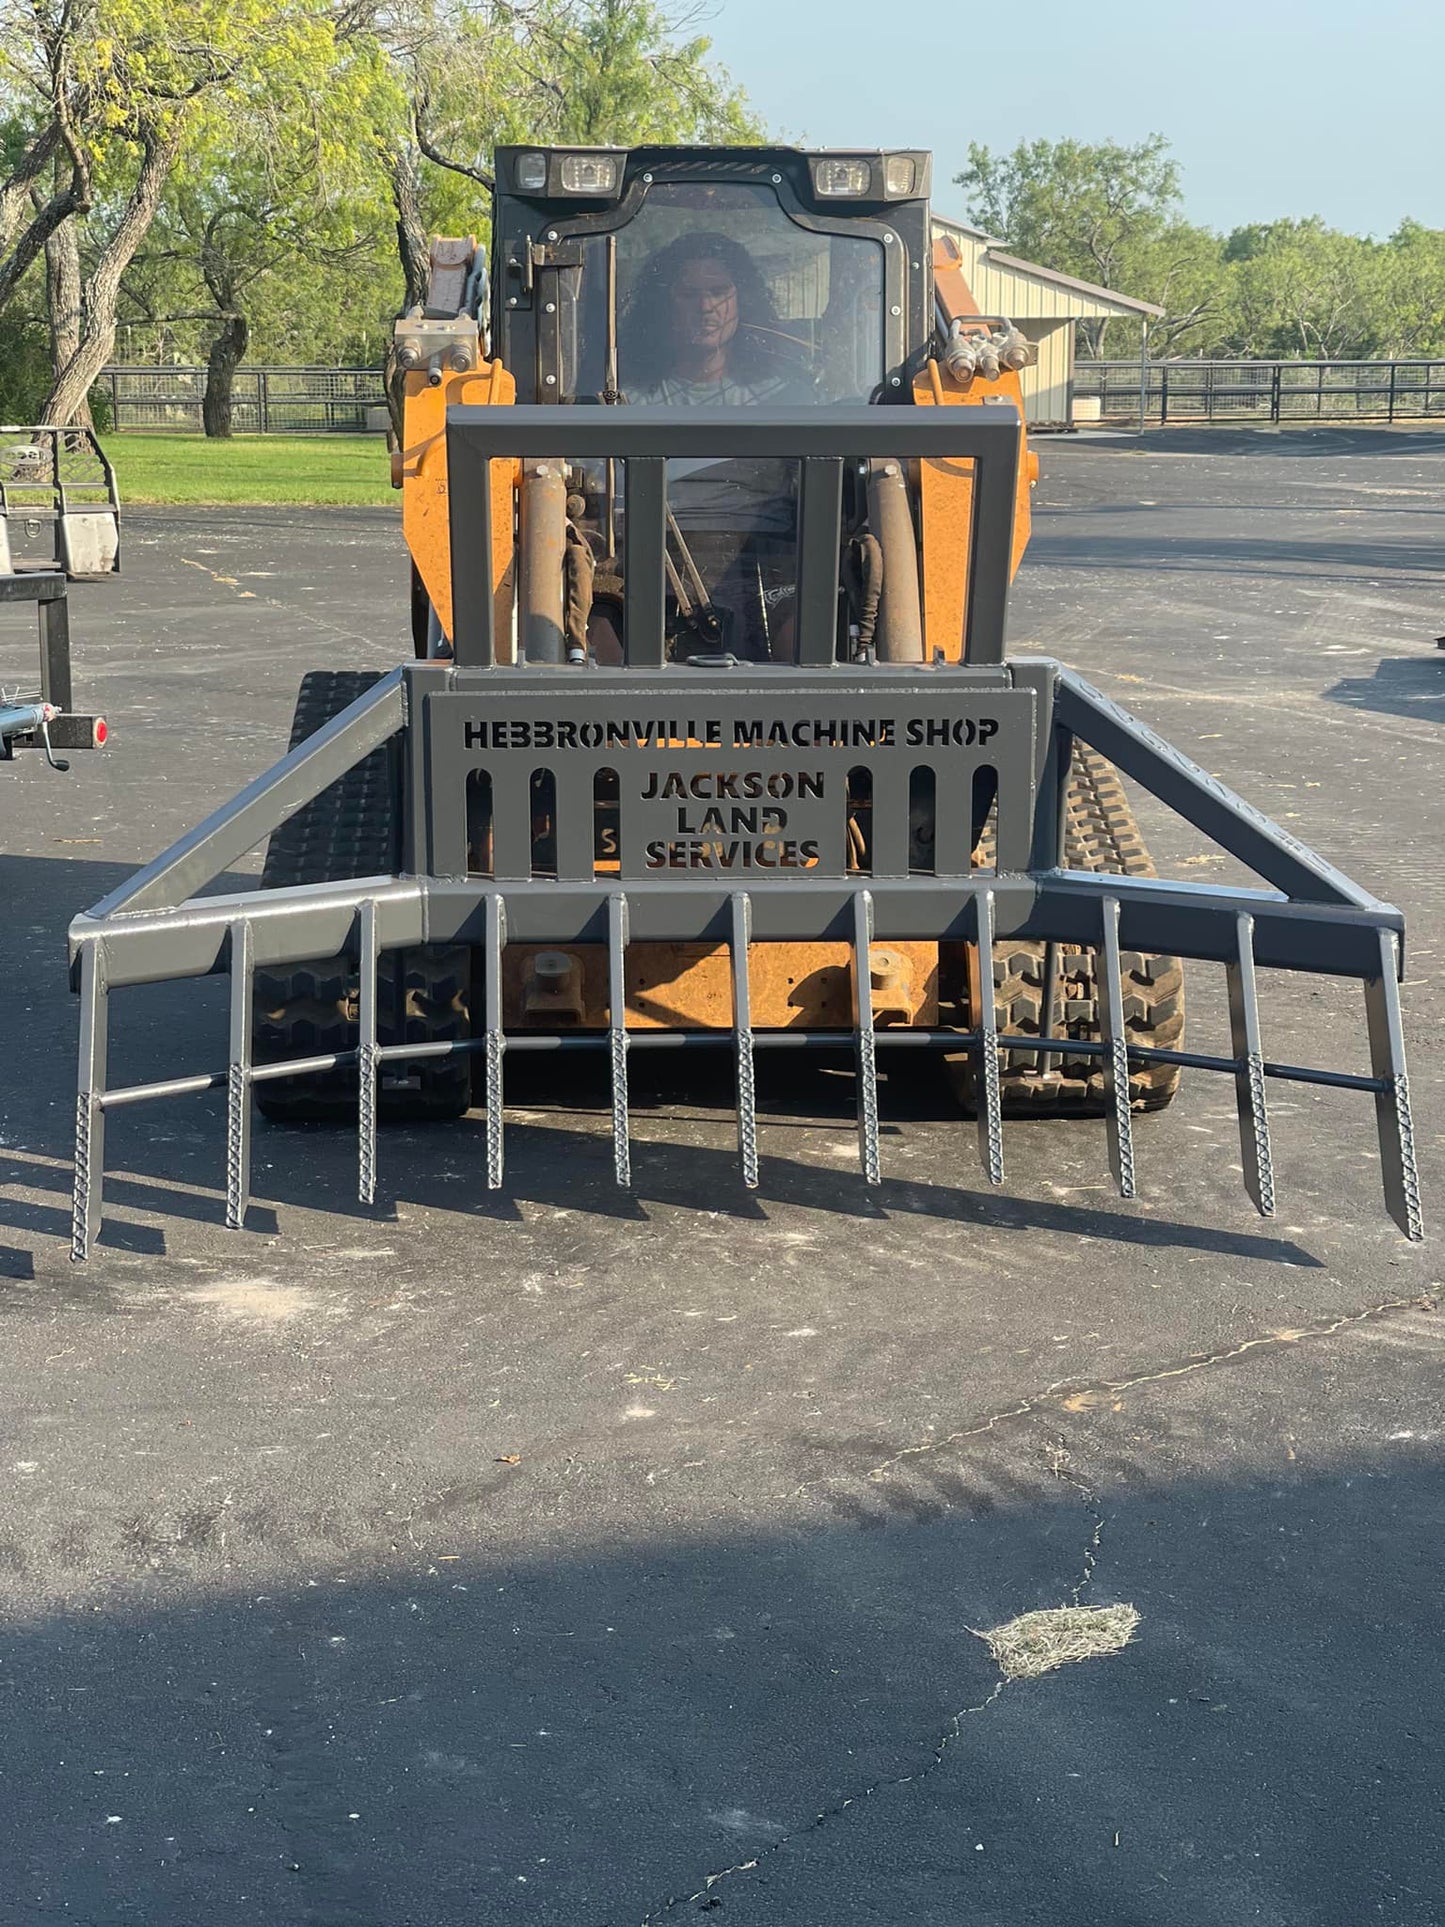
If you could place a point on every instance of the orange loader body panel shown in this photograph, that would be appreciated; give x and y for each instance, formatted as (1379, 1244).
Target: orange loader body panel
(419, 470)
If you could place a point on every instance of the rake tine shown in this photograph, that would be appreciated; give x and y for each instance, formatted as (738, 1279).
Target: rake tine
(990, 1110)
(1392, 1104)
(863, 1038)
(90, 1094)
(617, 1031)
(368, 1061)
(494, 1041)
(238, 1077)
(739, 936)
(1249, 1071)
(1116, 1056)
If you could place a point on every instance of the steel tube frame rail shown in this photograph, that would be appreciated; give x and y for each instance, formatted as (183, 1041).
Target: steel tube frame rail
(822, 439)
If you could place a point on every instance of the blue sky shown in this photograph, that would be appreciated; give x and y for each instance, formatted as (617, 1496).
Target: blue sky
(1335, 108)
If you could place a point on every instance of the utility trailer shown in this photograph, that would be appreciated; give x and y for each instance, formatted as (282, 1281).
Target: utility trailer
(658, 782)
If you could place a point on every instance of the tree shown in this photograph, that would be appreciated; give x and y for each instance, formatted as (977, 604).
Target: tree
(471, 75)
(43, 81)
(119, 86)
(271, 187)
(1108, 214)
(1306, 290)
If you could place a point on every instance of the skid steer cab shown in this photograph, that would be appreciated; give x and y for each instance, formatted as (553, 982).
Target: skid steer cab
(714, 483)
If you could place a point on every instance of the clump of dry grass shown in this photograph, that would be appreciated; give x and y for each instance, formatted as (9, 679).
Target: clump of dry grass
(1036, 1643)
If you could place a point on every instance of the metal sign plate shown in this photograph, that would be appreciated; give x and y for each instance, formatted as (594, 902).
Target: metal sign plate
(725, 776)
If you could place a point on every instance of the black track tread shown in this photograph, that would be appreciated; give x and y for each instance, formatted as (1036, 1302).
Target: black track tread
(351, 830)
(1101, 835)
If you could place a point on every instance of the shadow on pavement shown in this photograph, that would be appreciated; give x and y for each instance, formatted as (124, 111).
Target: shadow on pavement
(410, 1729)
(1400, 686)
(1265, 440)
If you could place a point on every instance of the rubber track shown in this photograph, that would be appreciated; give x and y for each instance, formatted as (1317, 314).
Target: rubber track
(1101, 835)
(352, 830)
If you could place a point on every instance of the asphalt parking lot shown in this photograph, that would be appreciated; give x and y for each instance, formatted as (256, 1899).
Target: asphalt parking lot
(565, 1556)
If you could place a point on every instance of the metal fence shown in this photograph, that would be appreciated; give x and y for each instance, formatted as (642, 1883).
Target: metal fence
(264, 401)
(1274, 391)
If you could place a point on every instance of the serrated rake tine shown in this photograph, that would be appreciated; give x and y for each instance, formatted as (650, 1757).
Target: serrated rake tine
(990, 1108)
(368, 1059)
(1116, 1054)
(864, 1042)
(739, 935)
(494, 1041)
(238, 1076)
(617, 1034)
(1393, 1120)
(1248, 1050)
(89, 1101)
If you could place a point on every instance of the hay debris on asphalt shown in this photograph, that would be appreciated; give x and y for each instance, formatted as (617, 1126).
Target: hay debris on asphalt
(1036, 1643)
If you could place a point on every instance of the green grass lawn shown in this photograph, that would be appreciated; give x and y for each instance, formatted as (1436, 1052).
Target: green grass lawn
(330, 470)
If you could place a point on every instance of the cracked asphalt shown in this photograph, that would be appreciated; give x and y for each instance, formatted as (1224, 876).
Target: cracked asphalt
(567, 1556)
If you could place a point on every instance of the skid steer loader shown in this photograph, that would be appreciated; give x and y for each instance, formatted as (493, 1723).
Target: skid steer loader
(714, 482)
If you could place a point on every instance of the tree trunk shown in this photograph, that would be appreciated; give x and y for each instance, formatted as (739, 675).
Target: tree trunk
(62, 299)
(226, 352)
(15, 192)
(413, 244)
(97, 331)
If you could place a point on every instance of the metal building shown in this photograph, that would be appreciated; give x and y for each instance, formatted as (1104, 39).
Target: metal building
(1044, 305)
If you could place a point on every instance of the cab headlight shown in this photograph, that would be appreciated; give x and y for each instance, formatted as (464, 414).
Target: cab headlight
(588, 173)
(530, 173)
(899, 173)
(835, 179)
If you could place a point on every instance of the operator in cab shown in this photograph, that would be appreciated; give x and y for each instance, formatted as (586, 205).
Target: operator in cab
(700, 330)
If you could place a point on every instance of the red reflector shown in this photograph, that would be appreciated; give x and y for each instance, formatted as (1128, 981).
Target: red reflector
(101, 733)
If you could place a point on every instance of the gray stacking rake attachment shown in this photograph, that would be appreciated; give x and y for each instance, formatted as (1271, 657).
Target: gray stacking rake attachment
(476, 735)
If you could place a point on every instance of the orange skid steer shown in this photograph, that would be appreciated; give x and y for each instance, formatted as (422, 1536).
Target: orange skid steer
(714, 483)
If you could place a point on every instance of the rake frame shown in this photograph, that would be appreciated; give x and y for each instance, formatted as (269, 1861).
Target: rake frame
(1010, 723)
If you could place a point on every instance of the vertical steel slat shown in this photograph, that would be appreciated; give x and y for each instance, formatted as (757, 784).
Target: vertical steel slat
(1249, 1071)
(739, 934)
(990, 1106)
(576, 829)
(891, 808)
(644, 545)
(469, 513)
(89, 1115)
(820, 543)
(494, 1038)
(1392, 1105)
(990, 557)
(953, 840)
(863, 1040)
(511, 822)
(368, 1062)
(238, 1076)
(1116, 1057)
(617, 1033)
